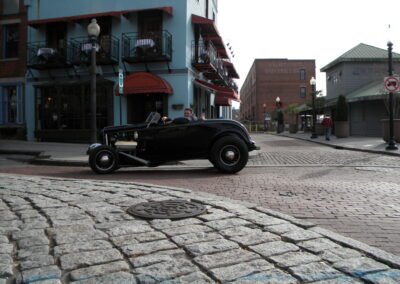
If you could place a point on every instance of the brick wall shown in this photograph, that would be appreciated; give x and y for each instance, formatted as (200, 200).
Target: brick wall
(14, 67)
(278, 78)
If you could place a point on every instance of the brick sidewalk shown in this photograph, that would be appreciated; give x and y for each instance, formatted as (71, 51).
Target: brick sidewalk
(75, 231)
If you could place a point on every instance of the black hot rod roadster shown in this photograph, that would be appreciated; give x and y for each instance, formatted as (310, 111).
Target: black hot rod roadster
(225, 143)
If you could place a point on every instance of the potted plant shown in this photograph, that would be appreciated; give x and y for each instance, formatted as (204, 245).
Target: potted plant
(292, 110)
(341, 118)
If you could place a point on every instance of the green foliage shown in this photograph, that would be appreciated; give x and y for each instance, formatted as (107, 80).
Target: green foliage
(292, 109)
(341, 109)
(318, 95)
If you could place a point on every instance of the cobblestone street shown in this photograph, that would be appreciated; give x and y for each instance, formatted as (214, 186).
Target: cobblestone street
(355, 194)
(76, 231)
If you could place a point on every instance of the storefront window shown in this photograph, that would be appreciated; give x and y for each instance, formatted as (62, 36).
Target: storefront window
(68, 107)
(11, 105)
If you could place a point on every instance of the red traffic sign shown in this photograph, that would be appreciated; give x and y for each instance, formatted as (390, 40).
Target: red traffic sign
(391, 83)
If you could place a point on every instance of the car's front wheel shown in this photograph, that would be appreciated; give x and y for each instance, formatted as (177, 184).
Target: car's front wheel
(229, 154)
(103, 160)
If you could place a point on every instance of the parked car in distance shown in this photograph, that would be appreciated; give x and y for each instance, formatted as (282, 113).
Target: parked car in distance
(225, 143)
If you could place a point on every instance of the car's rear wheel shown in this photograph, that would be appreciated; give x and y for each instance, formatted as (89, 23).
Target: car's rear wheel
(229, 154)
(103, 160)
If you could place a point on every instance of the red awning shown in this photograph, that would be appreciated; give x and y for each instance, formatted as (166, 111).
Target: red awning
(207, 24)
(223, 101)
(210, 32)
(231, 69)
(146, 83)
(36, 23)
(220, 91)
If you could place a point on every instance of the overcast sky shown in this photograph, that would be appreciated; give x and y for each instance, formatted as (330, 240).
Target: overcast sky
(308, 29)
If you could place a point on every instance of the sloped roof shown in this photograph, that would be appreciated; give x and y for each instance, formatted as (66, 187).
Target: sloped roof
(362, 52)
(372, 91)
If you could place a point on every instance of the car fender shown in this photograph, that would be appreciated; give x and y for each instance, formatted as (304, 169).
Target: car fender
(230, 132)
(92, 147)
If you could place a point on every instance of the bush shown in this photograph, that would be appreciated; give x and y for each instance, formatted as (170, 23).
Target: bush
(292, 110)
(341, 109)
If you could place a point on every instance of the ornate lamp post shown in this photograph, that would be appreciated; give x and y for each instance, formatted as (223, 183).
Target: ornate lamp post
(93, 32)
(313, 84)
(264, 117)
(391, 143)
(278, 104)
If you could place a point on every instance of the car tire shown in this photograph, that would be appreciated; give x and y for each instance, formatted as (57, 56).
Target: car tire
(104, 160)
(229, 154)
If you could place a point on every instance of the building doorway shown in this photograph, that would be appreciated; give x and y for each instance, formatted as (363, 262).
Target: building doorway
(140, 105)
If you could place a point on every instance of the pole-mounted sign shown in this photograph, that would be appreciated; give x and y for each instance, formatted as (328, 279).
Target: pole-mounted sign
(121, 81)
(392, 83)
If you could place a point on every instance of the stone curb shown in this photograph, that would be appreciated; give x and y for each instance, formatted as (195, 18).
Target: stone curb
(376, 253)
(21, 152)
(339, 146)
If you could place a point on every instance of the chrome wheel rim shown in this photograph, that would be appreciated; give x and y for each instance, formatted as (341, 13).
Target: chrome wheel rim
(105, 160)
(230, 155)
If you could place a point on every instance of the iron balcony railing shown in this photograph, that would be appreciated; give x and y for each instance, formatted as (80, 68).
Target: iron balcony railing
(107, 50)
(206, 60)
(232, 84)
(147, 47)
(44, 56)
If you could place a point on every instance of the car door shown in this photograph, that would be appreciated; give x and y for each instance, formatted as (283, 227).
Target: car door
(176, 141)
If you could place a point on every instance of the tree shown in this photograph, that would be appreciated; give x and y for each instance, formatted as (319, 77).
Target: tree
(341, 109)
(292, 110)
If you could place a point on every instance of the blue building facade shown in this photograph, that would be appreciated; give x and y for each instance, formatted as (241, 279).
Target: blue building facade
(170, 53)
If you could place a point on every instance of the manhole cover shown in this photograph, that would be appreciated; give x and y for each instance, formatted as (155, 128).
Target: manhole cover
(169, 209)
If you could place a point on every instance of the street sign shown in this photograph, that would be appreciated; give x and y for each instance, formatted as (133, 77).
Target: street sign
(391, 83)
(121, 81)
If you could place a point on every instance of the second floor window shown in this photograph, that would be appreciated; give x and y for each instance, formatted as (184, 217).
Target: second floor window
(302, 92)
(11, 41)
(302, 74)
(9, 7)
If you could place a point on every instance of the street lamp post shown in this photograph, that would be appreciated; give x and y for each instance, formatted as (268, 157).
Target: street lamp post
(313, 83)
(264, 117)
(93, 32)
(278, 104)
(391, 143)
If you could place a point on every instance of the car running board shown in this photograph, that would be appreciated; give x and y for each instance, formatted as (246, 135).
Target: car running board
(137, 159)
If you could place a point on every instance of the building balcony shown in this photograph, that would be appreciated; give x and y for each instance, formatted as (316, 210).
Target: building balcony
(43, 56)
(107, 50)
(149, 47)
(206, 60)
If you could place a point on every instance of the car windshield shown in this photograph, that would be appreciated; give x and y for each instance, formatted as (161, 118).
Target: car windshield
(153, 117)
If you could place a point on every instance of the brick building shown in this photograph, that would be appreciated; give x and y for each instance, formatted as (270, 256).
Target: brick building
(13, 21)
(269, 79)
